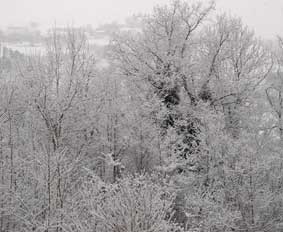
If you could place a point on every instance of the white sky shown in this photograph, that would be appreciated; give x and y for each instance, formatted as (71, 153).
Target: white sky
(265, 16)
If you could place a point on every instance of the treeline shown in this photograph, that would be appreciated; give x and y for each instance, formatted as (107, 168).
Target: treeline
(182, 131)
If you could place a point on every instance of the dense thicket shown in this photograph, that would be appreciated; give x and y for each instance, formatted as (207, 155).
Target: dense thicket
(182, 131)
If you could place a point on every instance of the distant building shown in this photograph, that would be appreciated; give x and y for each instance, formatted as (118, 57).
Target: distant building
(64, 30)
(18, 30)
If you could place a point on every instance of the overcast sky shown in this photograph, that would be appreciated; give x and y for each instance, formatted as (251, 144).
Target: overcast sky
(265, 16)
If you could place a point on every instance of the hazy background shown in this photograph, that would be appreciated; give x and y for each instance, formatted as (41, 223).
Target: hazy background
(265, 16)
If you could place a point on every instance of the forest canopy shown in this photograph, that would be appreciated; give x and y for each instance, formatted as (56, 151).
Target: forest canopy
(182, 130)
